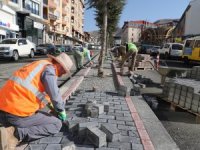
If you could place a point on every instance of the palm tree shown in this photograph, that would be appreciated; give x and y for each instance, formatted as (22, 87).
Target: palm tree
(110, 10)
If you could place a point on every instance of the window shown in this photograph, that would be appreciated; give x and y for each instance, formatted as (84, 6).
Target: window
(166, 46)
(31, 6)
(177, 47)
(189, 43)
(197, 43)
(14, 1)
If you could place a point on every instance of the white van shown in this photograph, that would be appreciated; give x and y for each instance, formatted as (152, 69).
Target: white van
(171, 50)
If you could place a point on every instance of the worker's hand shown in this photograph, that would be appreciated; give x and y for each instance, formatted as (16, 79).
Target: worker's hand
(62, 115)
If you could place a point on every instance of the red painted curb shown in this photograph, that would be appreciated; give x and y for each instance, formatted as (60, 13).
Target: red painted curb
(146, 141)
(139, 125)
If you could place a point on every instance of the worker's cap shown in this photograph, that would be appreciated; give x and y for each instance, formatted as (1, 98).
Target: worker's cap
(64, 60)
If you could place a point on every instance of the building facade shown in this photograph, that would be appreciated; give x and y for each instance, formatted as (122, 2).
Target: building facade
(188, 25)
(48, 21)
(8, 26)
(131, 30)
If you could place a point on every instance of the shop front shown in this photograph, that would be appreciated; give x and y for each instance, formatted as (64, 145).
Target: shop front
(8, 27)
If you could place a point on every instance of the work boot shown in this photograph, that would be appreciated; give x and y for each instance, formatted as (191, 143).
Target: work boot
(7, 139)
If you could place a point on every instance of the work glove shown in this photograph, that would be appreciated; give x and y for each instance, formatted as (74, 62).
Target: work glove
(62, 115)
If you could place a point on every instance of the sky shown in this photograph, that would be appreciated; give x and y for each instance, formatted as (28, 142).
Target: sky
(149, 10)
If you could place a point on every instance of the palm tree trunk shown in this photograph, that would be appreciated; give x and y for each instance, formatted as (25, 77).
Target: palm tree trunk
(102, 54)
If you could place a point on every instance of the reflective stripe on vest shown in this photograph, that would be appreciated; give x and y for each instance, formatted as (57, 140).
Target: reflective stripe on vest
(27, 83)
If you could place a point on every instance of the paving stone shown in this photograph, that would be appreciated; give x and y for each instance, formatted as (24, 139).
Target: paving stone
(133, 133)
(120, 145)
(84, 147)
(100, 108)
(130, 123)
(116, 122)
(106, 106)
(137, 146)
(115, 114)
(106, 116)
(47, 140)
(36, 147)
(65, 140)
(124, 132)
(98, 120)
(92, 112)
(106, 148)
(112, 133)
(54, 147)
(123, 127)
(82, 127)
(96, 136)
(130, 139)
(69, 146)
(124, 118)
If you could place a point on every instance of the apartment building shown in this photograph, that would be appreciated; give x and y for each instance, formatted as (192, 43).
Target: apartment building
(29, 18)
(8, 26)
(64, 21)
(131, 30)
(44, 21)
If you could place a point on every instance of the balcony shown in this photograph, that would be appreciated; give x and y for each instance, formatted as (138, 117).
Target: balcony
(52, 17)
(64, 23)
(64, 12)
(64, 2)
(52, 5)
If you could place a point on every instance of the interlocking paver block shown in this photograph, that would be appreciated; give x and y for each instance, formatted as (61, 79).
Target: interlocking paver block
(112, 133)
(36, 147)
(106, 116)
(100, 108)
(47, 140)
(96, 136)
(116, 122)
(121, 145)
(69, 146)
(82, 127)
(54, 147)
(137, 146)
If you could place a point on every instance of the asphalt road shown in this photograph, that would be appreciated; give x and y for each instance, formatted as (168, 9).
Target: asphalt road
(7, 67)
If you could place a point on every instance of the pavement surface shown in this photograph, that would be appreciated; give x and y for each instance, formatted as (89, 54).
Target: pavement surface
(130, 115)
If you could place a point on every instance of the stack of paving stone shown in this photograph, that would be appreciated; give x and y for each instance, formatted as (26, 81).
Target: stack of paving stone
(112, 129)
(185, 91)
(142, 62)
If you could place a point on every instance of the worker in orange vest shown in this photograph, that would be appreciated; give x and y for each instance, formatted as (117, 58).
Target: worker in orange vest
(22, 97)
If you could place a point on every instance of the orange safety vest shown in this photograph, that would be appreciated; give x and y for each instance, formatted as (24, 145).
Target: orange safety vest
(23, 94)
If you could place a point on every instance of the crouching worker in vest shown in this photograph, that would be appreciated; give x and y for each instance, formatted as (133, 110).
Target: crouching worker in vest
(25, 94)
(131, 51)
(79, 55)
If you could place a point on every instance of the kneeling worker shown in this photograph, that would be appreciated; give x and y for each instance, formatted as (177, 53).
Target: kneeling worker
(30, 89)
(131, 51)
(79, 55)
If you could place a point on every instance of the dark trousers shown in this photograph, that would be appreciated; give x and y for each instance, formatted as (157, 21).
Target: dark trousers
(34, 127)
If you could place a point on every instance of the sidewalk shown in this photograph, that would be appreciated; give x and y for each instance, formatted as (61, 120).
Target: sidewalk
(122, 119)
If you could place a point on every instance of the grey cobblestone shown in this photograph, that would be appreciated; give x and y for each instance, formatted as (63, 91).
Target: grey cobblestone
(36, 147)
(106, 116)
(122, 127)
(54, 140)
(121, 145)
(116, 122)
(53, 147)
(130, 139)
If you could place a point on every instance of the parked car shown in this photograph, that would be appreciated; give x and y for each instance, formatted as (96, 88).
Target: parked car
(45, 49)
(16, 47)
(68, 48)
(60, 48)
(154, 50)
(170, 50)
(64, 48)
